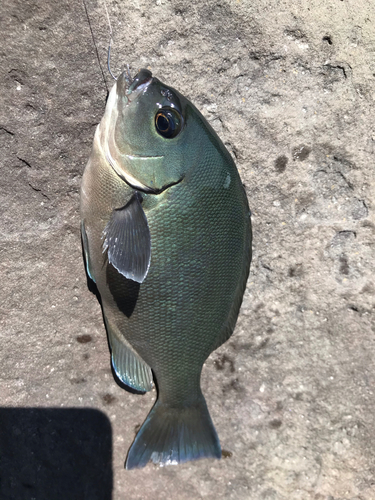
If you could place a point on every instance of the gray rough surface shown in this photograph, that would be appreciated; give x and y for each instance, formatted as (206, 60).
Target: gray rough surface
(290, 87)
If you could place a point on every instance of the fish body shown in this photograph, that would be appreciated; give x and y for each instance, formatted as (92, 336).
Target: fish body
(167, 239)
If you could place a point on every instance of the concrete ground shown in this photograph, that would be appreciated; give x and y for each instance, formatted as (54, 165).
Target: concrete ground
(289, 86)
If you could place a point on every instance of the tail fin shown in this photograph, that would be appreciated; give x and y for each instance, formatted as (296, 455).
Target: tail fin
(174, 435)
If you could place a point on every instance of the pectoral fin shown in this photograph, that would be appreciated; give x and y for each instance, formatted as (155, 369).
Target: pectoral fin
(128, 241)
(128, 365)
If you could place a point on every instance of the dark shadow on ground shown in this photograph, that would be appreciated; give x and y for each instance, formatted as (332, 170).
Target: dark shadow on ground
(55, 454)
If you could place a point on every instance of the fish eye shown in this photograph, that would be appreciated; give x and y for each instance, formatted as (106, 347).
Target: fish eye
(168, 122)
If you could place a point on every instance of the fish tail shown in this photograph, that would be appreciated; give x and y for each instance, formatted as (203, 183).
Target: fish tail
(175, 435)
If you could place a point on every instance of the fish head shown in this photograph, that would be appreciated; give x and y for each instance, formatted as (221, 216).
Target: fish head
(143, 132)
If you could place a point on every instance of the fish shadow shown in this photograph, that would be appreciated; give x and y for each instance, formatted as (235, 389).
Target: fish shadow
(54, 454)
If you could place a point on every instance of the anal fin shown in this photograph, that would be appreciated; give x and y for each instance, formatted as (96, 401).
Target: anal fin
(127, 364)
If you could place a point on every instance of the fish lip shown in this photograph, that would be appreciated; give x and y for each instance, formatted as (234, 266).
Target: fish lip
(130, 88)
(142, 87)
(140, 82)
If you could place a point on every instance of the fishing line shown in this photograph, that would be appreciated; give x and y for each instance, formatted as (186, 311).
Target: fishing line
(96, 48)
(109, 60)
(110, 43)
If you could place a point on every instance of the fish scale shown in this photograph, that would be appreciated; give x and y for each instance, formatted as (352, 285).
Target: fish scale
(174, 216)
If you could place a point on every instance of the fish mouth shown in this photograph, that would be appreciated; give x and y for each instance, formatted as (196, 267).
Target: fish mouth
(139, 83)
(132, 87)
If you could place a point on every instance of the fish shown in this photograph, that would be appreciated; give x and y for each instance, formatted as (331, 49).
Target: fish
(166, 233)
